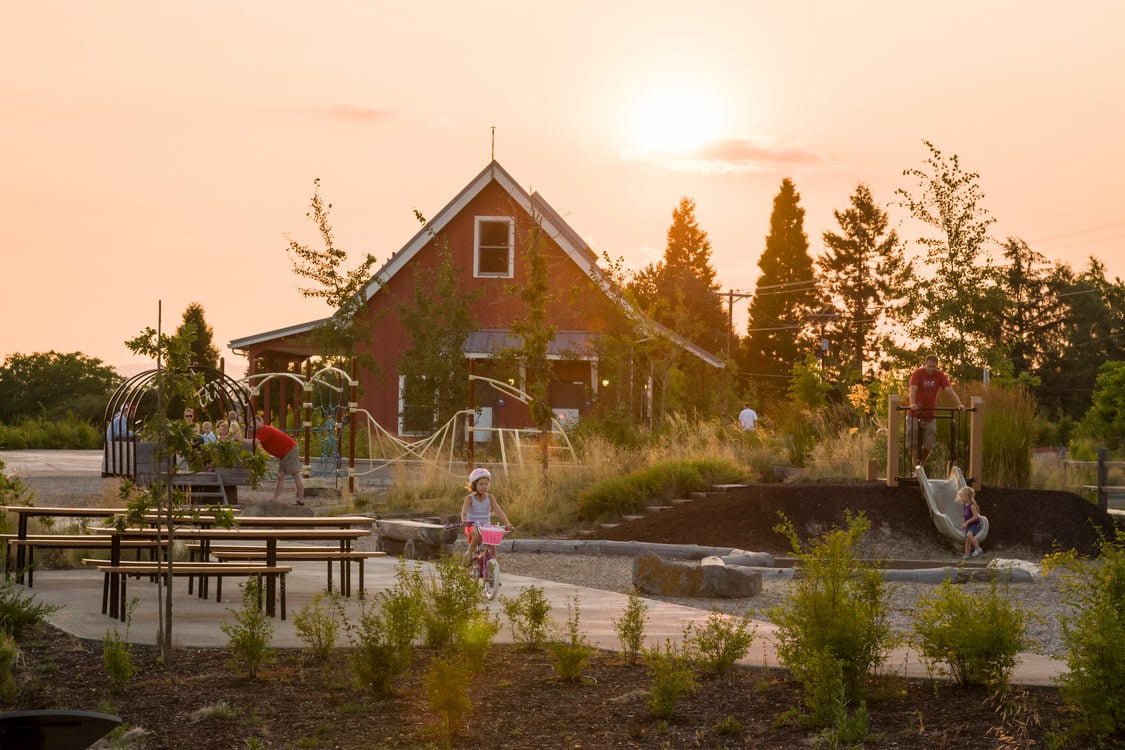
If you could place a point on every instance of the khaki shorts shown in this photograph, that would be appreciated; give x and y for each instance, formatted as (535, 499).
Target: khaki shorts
(291, 464)
(917, 429)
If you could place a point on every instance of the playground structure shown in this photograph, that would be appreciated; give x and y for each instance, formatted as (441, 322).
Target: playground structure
(941, 500)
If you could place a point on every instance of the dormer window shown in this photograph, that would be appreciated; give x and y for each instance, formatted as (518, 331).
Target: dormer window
(494, 244)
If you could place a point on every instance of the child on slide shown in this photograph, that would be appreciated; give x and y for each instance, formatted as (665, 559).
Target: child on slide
(972, 525)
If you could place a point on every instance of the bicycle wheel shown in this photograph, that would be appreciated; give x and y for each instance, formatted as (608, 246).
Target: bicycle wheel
(492, 579)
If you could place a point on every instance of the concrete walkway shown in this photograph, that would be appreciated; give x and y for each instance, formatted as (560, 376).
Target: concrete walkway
(196, 622)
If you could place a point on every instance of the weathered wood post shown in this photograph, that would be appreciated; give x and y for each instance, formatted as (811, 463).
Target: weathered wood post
(894, 429)
(1103, 479)
(976, 442)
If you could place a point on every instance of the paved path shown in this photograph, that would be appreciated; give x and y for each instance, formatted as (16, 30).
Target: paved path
(196, 622)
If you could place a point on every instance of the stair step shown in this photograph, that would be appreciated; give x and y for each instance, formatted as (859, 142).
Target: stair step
(728, 487)
(699, 495)
(681, 500)
(631, 518)
(607, 525)
(657, 508)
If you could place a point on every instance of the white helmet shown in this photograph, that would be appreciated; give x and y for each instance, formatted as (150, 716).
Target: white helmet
(479, 474)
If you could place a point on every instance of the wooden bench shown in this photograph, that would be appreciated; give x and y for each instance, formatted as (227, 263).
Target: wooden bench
(64, 541)
(324, 554)
(122, 571)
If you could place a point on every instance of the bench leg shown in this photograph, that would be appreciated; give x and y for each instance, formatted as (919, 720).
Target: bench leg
(105, 593)
(330, 578)
(121, 604)
(282, 586)
(218, 587)
(30, 565)
(359, 562)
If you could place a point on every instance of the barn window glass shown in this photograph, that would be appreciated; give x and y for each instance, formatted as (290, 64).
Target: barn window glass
(494, 241)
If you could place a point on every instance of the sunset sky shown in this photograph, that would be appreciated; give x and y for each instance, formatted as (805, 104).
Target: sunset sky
(156, 151)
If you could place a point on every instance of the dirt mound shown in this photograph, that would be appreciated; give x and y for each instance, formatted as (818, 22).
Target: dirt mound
(1024, 520)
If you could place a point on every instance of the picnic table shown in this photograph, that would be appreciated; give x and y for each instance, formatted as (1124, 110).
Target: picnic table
(24, 512)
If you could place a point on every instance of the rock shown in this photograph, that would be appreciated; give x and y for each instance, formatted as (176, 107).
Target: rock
(654, 575)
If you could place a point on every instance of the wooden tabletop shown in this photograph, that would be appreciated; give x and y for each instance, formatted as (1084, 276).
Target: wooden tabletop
(46, 510)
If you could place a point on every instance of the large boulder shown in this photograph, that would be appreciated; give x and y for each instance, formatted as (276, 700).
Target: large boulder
(655, 575)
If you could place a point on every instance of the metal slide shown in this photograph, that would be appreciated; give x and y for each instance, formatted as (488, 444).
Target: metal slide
(941, 499)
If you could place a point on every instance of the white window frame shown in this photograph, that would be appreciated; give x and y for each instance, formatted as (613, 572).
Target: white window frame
(477, 273)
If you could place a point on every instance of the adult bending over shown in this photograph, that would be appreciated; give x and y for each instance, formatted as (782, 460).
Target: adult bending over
(284, 449)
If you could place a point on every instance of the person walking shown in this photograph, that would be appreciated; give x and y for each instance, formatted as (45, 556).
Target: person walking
(921, 430)
(747, 418)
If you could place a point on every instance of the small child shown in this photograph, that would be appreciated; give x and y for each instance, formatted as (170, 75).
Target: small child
(971, 525)
(222, 429)
(206, 433)
(478, 506)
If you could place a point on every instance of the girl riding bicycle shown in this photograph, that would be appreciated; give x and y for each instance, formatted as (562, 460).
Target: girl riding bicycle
(479, 506)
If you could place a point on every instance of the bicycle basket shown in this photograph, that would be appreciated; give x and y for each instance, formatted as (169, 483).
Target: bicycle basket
(491, 534)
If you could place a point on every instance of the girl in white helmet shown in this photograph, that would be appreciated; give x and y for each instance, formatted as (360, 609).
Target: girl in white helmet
(479, 507)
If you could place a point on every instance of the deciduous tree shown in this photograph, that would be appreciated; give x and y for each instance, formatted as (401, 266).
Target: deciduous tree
(51, 385)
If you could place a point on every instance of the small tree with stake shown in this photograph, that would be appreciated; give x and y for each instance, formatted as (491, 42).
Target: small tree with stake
(175, 382)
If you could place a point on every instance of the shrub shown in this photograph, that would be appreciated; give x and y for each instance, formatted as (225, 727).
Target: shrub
(663, 480)
(376, 659)
(318, 624)
(630, 628)
(115, 652)
(17, 611)
(9, 660)
(251, 632)
(977, 636)
(672, 677)
(403, 605)
(447, 689)
(1093, 634)
(476, 640)
(836, 615)
(570, 655)
(450, 599)
(720, 642)
(529, 614)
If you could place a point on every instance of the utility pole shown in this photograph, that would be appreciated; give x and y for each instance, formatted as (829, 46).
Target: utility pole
(732, 295)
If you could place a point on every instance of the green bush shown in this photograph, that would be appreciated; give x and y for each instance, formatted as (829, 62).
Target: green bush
(403, 605)
(451, 598)
(529, 614)
(836, 617)
(476, 641)
(116, 658)
(376, 659)
(9, 660)
(720, 642)
(318, 624)
(672, 677)
(447, 688)
(570, 655)
(977, 637)
(663, 480)
(40, 433)
(630, 628)
(1009, 432)
(1095, 682)
(19, 611)
(251, 632)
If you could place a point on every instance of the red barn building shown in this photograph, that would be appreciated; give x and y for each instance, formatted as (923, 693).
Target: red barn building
(482, 228)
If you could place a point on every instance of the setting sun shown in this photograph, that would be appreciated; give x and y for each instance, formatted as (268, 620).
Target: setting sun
(674, 118)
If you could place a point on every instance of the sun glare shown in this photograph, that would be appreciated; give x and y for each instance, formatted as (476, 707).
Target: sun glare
(674, 119)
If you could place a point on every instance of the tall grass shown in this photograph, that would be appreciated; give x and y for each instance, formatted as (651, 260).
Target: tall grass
(1009, 434)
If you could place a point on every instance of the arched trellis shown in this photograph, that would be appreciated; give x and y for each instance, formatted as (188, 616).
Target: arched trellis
(218, 395)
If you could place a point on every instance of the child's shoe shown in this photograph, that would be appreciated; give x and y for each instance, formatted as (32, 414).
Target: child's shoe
(964, 557)
(978, 552)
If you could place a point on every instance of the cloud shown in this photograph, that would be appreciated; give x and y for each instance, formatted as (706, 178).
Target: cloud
(352, 113)
(742, 155)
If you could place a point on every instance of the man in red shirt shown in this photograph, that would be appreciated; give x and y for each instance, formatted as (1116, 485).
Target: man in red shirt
(284, 449)
(921, 430)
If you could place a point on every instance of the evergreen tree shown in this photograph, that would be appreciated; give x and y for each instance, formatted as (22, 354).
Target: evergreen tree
(955, 304)
(781, 327)
(865, 277)
(681, 291)
(437, 322)
(1030, 324)
(203, 351)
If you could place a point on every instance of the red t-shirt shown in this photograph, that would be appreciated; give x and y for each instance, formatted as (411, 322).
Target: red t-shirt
(928, 387)
(274, 441)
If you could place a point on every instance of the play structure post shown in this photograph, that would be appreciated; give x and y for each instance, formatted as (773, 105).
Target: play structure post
(976, 442)
(306, 411)
(894, 429)
(1103, 479)
(352, 406)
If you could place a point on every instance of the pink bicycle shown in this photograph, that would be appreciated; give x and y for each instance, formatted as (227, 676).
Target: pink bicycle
(484, 567)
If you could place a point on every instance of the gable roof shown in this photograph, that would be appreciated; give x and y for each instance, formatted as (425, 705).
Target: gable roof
(534, 205)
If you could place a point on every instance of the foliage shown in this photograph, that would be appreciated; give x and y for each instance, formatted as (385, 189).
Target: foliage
(476, 640)
(1105, 421)
(437, 322)
(203, 351)
(863, 275)
(9, 660)
(720, 642)
(956, 301)
(13, 491)
(402, 606)
(529, 615)
(52, 385)
(836, 617)
(672, 677)
(570, 655)
(447, 688)
(376, 659)
(660, 481)
(630, 628)
(19, 611)
(451, 600)
(318, 624)
(977, 636)
(1094, 684)
(344, 291)
(115, 652)
(780, 329)
(1033, 312)
(67, 433)
(1009, 431)
(251, 633)
(807, 386)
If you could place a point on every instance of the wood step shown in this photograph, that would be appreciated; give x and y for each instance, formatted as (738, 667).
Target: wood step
(657, 508)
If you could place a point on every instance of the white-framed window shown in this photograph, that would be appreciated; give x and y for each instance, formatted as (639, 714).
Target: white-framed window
(493, 254)
(417, 413)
